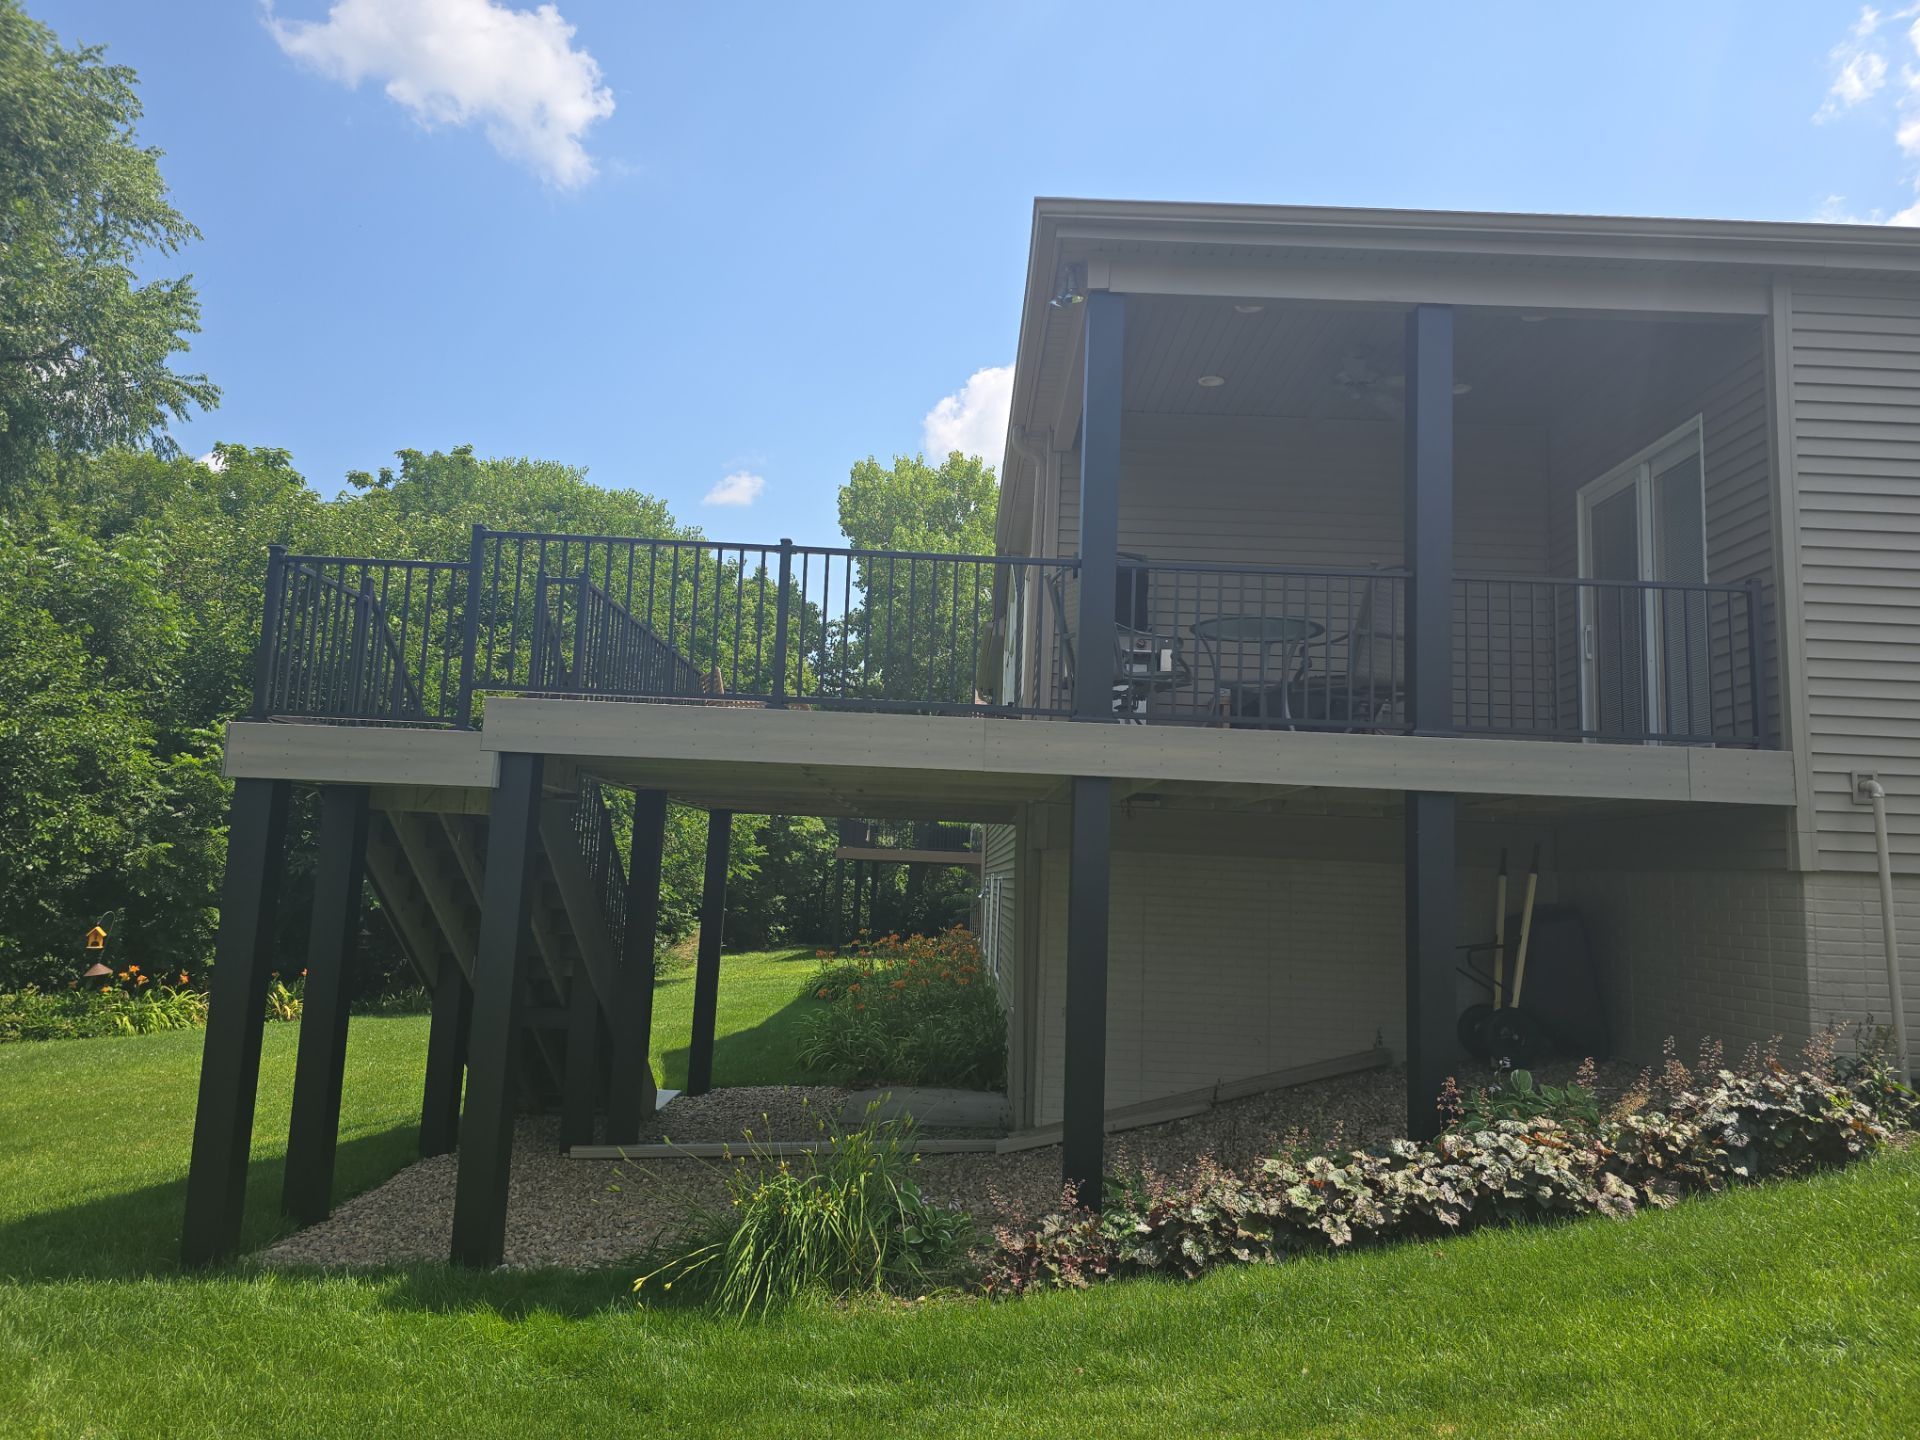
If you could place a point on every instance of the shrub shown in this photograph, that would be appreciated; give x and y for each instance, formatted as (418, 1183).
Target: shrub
(1701, 1137)
(918, 1011)
(846, 1220)
(1516, 1097)
(135, 1005)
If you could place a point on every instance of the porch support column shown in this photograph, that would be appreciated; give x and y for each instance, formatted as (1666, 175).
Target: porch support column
(1428, 519)
(1431, 1044)
(230, 1057)
(486, 1129)
(447, 1032)
(706, 972)
(631, 1094)
(1084, 1111)
(339, 878)
(1430, 817)
(1106, 323)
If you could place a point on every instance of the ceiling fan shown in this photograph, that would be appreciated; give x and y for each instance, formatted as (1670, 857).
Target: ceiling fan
(1362, 379)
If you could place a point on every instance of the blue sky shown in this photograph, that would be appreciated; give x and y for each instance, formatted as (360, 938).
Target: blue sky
(692, 242)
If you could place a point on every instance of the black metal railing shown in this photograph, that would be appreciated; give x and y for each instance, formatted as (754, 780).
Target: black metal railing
(372, 640)
(778, 624)
(1619, 660)
(1237, 646)
(1253, 646)
(593, 831)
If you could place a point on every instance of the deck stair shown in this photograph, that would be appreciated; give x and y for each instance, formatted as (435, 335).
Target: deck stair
(428, 871)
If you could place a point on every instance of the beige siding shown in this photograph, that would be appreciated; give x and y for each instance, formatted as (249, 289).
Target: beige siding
(1856, 420)
(1849, 962)
(1241, 945)
(1690, 954)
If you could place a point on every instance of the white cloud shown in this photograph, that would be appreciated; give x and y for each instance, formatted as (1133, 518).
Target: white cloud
(1859, 69)
(740, 488)
(455, 62)
(972, 420)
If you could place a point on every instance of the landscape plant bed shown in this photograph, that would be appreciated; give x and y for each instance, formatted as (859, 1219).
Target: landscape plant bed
(1515, 1153)
(587, 1213)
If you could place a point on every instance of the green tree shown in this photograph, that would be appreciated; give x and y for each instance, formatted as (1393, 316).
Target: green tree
(917, 632)
(85, 346)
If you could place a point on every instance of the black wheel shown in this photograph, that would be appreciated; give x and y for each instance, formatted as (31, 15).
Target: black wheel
(1513, 1039)
(1472, 1029)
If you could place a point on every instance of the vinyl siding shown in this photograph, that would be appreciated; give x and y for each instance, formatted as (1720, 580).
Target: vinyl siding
(1855, 391)
(1241, 945)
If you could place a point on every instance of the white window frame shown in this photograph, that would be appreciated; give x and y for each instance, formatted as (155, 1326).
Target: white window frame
(1635, 473)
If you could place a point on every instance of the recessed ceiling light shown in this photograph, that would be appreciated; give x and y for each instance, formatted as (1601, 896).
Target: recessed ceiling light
(1208, 382)
(1461, 387)
(1249, 309)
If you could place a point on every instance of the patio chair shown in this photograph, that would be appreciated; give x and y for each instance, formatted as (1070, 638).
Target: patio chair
(1356, 695)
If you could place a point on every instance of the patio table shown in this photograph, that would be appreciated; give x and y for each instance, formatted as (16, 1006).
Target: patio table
(1295, 632)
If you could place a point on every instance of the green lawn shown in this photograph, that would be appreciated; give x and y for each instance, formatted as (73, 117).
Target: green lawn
(754, 1031)
(1790, 1310)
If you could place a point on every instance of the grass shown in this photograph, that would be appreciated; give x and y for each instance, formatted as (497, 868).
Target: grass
(756, 1028)
(1787, 1310)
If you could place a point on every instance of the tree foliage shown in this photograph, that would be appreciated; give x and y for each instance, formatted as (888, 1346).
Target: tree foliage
(85, 345)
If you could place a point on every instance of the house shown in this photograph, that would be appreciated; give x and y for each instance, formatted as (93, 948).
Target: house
(1340, 552)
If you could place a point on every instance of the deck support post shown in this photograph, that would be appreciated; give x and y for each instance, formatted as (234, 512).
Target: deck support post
(1106, 323)
(1084, 1111)
(447, 1031)
(486, 1129)
(706, 972)
(230, 1064)
(630, 1093)
(1430, 817)
(338, 882)
(1431, 1003)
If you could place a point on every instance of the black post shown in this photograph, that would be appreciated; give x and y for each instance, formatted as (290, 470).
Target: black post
(486, 1129)
(706, 973)
(1756, 663)
(780, 623)
(447, 1031)
(230, 1057)
(1429, 519)
(1430, 904)
(265, 658)
(1084, 1112)
(1430, 843)
(470, 625)
(307, 1185)
(1099, 504)
(631, 1093)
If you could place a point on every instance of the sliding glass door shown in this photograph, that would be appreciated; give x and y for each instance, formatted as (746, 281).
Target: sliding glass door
(1644, 672)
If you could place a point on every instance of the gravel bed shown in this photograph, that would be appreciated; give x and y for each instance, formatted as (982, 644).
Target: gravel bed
(589, 1214)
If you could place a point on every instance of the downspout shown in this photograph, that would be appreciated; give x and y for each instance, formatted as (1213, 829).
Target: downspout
(1867, 789)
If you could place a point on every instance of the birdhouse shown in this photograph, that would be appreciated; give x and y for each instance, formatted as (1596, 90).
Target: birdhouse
(96, 938)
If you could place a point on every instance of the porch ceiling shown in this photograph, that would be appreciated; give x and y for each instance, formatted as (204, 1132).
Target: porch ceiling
(1285, 360)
